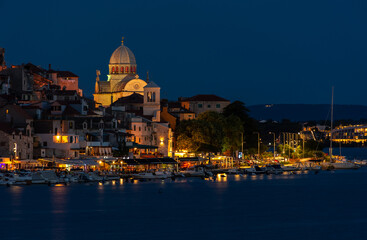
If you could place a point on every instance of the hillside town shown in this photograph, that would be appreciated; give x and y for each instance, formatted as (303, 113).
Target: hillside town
(46, 122)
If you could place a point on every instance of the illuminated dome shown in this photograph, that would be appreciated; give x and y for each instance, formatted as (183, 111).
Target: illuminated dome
(122, 55)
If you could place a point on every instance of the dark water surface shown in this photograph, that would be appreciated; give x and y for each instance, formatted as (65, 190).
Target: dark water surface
(329, 205)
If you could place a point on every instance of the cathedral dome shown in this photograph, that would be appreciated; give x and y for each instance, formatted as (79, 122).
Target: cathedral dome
(122, 55)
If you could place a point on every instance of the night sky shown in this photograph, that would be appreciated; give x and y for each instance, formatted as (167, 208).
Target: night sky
(258, 51)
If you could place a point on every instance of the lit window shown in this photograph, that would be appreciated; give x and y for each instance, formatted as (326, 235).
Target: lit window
(113, 69)
(127, 69)
(122, 69)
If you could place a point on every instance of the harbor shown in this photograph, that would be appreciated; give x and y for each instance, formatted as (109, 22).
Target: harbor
(150, 169)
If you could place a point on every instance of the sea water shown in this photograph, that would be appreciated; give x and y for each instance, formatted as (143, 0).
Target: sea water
(327, 205)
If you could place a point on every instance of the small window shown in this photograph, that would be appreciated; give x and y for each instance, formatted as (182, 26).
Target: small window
(127, 69)
(45, 144)
(189, 115)
(217, 106)
(71, 125)
(139, 129)
(200, 105)
(20, 135)
(134, 127)
(122, 69)
(209, 106)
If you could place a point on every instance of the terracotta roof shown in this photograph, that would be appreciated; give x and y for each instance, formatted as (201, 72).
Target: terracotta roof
(133, 98)
(19, 110)
(204, 97)
(63, 73)
(34, 68)
(7, 128)
(69, 110)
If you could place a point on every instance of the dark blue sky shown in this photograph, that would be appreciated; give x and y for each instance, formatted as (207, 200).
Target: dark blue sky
(259, 51)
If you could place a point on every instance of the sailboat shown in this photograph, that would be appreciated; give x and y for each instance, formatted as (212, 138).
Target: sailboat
(340, 163)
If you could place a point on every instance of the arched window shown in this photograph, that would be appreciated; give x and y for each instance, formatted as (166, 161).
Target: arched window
(117, 69)
(113, 69)
(127, 69)
(122, 69)
(153, 97)
(134, 69)
(131, 69)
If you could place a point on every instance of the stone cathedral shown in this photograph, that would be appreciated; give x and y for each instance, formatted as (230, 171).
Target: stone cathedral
(122, 79)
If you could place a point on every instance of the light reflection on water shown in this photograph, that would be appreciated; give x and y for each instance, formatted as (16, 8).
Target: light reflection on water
(59, 198)
(122, 209)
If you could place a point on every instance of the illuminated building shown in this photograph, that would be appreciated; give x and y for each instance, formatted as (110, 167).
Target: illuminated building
(350, 134)
(202, 103)
(122, 79)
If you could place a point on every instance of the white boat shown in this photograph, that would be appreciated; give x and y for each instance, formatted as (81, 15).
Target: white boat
(196, 172)
(290, 168)
(50, 176)
(150, 175)
(340, 165)
(274, 169)
(22, 177)
(7, 179)
(255, 170)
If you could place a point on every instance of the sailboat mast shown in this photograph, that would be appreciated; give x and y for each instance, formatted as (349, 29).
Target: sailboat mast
(331, 124)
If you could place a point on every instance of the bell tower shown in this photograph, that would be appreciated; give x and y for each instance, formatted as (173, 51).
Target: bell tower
(152, 101)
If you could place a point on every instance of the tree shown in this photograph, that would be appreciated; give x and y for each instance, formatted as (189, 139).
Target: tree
(232, 130)
(237, 108)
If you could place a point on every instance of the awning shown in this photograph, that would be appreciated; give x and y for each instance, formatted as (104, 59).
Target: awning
(140, 146)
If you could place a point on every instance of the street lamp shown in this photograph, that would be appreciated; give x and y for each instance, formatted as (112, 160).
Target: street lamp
(274, 143)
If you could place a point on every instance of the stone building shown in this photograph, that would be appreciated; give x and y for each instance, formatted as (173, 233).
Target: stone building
(65, 79)
(15, 144)
(122, 79)
(202, 103)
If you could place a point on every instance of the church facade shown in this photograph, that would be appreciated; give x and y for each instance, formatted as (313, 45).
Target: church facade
(122, 79)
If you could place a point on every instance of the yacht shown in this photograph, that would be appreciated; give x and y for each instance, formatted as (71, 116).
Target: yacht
(151, 175)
